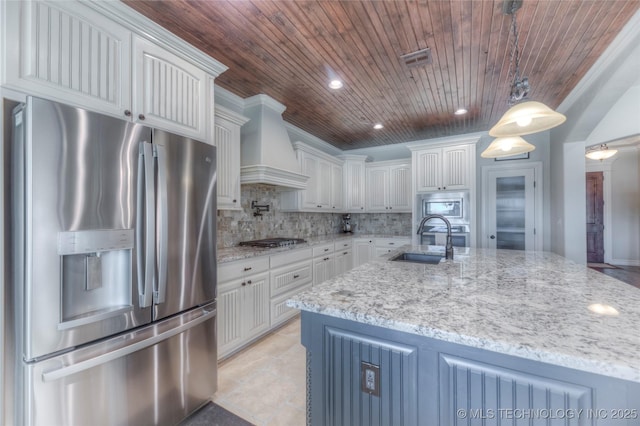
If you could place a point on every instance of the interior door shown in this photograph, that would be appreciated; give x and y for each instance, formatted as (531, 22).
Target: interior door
(510, 210)
(595, 218)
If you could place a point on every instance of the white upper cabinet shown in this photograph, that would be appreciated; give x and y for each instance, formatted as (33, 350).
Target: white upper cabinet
(169, 92)
(354, 182)
(388, 187)
(324, 192)
(226, 137)
(446, 164)
(69, 53)
(440, 169)
(94, 55)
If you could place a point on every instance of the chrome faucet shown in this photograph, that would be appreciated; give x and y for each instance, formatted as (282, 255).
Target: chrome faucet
(448, 253)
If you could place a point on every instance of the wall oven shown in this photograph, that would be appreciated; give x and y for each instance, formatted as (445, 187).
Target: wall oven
(452, 205)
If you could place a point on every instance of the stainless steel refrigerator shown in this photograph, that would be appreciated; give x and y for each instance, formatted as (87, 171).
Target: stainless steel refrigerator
(113, 270)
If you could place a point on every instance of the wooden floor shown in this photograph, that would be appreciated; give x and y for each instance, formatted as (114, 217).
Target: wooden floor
(628, 274)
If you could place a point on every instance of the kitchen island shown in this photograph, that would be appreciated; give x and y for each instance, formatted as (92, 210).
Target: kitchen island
(493, 335)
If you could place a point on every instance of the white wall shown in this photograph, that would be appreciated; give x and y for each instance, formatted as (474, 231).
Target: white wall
(625, 208)
(574, 215)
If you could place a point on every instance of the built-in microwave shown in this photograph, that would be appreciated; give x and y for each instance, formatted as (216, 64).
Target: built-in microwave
(452, 205)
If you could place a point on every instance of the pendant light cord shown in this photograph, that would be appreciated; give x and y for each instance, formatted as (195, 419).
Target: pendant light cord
(519, 87)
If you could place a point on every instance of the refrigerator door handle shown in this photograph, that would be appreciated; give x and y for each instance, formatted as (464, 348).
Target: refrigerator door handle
(145, 225)
(148, 338)
(163, 213)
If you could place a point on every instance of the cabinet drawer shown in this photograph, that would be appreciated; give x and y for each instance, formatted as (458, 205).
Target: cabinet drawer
(323, 249)
(343, 245)
(290, 277)
(239, 268)
(391, 242)
(280, 311)
(289, 257)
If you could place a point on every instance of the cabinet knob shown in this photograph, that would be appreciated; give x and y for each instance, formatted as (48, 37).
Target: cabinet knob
(141, 116)
(390, 208)
(319, 206)
(326, 249)
(296, 276)
(361, 208)
(493, 237)
(235, 201)
(326, 258)
(127, 113)
(243, 284)
(249, 282)
(247, 269)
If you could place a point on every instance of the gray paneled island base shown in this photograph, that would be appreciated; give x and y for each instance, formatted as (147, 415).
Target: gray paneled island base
(491, 337)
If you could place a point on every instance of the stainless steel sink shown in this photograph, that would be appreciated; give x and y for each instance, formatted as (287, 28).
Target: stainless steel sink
(432, 259)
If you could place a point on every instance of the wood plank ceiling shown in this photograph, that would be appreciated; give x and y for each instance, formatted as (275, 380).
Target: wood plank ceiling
(290, 50)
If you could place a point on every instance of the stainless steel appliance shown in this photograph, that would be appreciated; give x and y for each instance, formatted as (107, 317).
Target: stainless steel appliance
(273, 242)
(454, 206)
(346, 223)
(114, 270)
(436, 235)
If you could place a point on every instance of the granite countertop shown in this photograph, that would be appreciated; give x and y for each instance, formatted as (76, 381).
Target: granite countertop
(532, 305)
(230, 254)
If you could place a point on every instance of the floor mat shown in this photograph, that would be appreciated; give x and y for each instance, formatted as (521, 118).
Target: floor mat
(601, 265)
(214, 415)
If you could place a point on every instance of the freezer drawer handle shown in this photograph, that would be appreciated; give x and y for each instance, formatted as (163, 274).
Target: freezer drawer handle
(68, 370)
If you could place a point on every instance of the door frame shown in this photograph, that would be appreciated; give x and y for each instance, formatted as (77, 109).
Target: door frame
(605, 168)
(537, 198)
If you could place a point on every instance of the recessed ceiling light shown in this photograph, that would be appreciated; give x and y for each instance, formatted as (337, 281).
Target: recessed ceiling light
(335, 84)
(378, 126)
(460, 111)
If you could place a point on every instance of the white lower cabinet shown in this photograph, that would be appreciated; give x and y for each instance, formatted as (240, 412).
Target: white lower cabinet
(243, 303)
(291, 273)
(387, 245)
(363, 251)
(323, 263)
(343, 260)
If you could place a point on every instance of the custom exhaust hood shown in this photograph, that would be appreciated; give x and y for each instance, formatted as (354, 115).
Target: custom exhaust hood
(267, 155)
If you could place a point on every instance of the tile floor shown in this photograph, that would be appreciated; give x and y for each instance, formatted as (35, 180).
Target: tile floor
(266, 383)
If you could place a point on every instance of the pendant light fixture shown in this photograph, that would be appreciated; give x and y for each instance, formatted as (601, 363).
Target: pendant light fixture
(524, 117)
(506, 147)
(601, 152)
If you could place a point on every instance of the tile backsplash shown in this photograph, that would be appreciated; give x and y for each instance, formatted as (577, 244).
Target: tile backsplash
(241, 225)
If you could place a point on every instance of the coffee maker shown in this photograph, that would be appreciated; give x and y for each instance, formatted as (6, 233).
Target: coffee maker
(346, 223)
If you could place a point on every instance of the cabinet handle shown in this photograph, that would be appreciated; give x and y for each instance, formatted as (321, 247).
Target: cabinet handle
(127, 113)
(391, 244)
(141, 116)
(249, 282)
(248, 269)
(319, 206)
(345, 245)
(296, 276)
(346, 252)
(326, 258)
(326, 249)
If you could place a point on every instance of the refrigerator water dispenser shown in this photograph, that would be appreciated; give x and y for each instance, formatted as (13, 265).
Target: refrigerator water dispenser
(96, 275)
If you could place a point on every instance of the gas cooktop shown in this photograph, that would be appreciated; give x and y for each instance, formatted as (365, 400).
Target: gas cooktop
(273, 242)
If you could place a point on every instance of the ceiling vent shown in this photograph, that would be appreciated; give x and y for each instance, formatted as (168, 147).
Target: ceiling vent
(418, 58)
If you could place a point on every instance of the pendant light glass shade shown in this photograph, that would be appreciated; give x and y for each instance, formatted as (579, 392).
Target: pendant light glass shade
(506, 147)
(602, 152)
(526, 118)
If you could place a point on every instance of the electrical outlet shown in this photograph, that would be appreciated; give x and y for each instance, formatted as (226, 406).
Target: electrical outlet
(370, 378)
